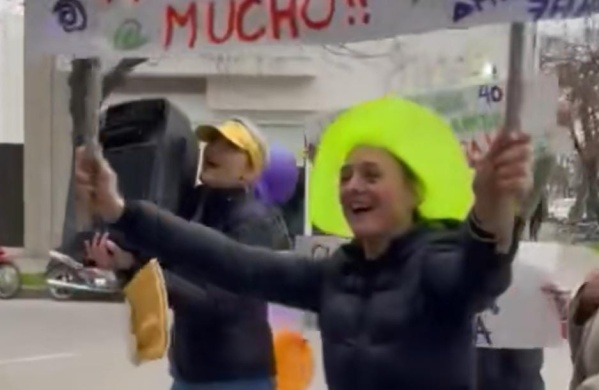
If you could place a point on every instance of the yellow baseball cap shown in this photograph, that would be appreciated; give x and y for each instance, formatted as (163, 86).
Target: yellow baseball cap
(244, 135)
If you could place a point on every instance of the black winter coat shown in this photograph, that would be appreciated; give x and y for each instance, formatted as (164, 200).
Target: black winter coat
(403, 321)
(510, 369)
(219, 336)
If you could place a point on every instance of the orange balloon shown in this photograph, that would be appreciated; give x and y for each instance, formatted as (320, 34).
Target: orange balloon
(294, 360)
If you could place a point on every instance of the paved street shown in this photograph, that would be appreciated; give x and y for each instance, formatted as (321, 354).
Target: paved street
(69, 346)
(80, 346)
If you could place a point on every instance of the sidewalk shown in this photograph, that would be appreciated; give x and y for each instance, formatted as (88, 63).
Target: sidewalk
(38, 265)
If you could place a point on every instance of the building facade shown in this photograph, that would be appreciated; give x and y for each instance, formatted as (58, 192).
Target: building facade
(280, 88)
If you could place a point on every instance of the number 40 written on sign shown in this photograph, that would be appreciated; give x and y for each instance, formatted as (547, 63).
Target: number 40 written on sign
(490, 93)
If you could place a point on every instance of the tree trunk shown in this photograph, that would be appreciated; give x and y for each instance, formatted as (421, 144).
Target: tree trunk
(577, 209)
(543, 167)
(592, 201)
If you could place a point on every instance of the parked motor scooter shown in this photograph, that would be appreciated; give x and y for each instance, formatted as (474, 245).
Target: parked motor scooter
(66, 277)
(10, 276)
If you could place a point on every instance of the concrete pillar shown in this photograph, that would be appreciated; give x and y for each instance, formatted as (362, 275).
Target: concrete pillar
(47, 154)
(38, 154)
(61, 153)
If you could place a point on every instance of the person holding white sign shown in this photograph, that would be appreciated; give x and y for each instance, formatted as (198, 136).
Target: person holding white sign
(396, 305)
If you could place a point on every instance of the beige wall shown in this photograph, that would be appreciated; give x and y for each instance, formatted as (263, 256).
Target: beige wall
(47, 154)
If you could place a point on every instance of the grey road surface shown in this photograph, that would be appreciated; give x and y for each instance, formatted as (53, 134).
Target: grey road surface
(81, 346)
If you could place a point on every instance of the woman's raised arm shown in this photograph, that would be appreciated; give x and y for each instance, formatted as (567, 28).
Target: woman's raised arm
(463, 266)
(286, 278)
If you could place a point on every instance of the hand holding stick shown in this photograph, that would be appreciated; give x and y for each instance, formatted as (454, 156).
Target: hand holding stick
(514, 98)
(86, 124)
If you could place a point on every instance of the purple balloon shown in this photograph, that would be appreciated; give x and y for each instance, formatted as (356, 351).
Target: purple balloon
(279, 179)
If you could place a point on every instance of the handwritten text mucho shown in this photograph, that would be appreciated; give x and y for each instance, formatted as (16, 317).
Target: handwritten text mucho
(118, 27)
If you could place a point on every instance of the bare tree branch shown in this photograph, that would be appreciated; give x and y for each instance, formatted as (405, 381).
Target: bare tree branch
(577, 67)
(79, 90)
(118, 74)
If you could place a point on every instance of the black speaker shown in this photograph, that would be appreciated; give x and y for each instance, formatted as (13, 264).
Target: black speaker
(152, 147)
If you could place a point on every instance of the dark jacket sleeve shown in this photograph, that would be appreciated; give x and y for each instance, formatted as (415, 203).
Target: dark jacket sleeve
(206, 254)
(257, 229)
(509, 369)
(464, 268)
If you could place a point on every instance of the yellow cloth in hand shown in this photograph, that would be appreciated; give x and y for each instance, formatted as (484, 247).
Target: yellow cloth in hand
(147, 298)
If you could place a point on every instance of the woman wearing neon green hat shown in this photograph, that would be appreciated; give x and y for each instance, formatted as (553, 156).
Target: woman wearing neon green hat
(396, 305)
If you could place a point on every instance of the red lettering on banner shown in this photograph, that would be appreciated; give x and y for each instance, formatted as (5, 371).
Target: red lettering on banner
(317, 24)
(189, 19)
(282, 19)
(229, 24)
(242, 11)
(286, 15)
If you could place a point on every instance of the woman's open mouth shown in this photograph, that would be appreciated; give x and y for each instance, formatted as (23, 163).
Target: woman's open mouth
(360, 210)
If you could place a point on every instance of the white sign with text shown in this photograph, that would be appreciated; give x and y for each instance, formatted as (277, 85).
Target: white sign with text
(134, 28)
(476, 112)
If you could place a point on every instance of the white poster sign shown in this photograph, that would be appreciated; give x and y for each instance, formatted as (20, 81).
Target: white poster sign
(130, 28)
(526, 316)
(475, 112)
(317, 247)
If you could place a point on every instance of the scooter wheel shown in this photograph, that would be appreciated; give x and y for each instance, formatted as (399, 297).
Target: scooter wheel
(65, 274)
(10, 281)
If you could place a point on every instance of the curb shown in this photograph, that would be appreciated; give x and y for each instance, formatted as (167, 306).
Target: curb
(41, 293)
(33, 293)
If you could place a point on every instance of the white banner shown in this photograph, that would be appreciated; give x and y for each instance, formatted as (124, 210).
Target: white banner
(526, 316)
(317, 247)
(476, 112)
(150, 28)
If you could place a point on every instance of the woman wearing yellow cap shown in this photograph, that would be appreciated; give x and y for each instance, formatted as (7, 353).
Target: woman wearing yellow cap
(396, 304)
(220, 340)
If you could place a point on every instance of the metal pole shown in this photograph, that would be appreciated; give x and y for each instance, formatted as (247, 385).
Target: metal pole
(86, 96)
(514, 100)
(93, 98)
(515, 90)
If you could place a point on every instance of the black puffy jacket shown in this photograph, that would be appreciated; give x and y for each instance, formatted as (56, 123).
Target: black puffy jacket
(218, 336)
(403, 321)
(509, 369)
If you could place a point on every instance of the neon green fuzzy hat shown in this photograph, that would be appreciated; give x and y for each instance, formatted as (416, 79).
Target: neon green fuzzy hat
(410, 132)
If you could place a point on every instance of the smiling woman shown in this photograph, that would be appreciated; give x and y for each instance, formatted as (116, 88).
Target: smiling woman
(389, 130)
(400, 286)
(378, 195)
